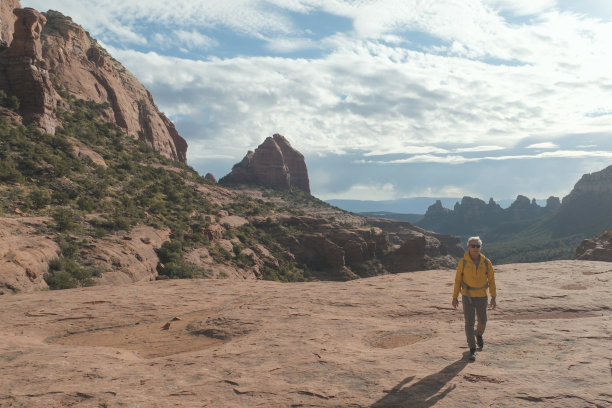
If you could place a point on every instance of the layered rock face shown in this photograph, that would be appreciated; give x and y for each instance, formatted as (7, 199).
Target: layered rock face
(7, 19)
(598, 248)
(79, 64)
(63, 51)
(23, 71)
(335, 253)
(417, 249)
(273, 164)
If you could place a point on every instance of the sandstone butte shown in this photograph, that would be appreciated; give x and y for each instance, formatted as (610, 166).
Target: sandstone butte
(385, 341)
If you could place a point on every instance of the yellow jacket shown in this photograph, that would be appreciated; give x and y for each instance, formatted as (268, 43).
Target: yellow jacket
(475, 278)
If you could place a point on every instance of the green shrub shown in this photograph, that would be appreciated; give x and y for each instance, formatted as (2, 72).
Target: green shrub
(60, 280)
(69, 248)
(85, 204)
(39, 198)
(10, 102)
(64, 219)
(65, 273)
(9, 172)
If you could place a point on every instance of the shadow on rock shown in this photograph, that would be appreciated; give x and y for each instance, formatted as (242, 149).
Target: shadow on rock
(424, 393)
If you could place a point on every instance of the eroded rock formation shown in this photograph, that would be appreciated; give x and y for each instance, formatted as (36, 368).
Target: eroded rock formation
(50, 47)
(414, 248)
(80, 65)
(273, 164)
(23, 71)
(7, 19)
(598, 248)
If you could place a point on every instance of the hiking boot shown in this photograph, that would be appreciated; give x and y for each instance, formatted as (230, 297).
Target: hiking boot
(479, 341)
(472, 354)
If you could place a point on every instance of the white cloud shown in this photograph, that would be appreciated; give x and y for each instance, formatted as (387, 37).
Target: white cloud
(282, 45)
(479, 149)
(444, 191)
(379, 192)
(414, 149)
(544, 145)
(456, 159)
(194, 39)
(521, 7)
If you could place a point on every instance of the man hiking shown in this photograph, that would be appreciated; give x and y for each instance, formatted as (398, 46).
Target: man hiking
(474, 276)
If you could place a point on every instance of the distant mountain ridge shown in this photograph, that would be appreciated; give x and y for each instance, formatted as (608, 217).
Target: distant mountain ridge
(412, 205)
(525, 231)
(473, 216)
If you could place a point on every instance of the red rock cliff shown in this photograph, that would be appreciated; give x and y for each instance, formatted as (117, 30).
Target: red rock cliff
(273, 164)
(62, 51)
(23, 71)
(79, 64)
(7, 19)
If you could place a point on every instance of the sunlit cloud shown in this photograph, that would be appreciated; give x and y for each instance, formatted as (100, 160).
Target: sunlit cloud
(544, 145)
(479, 149)
(358, 191)
(521, 7)
(194, 39)
(456, 159)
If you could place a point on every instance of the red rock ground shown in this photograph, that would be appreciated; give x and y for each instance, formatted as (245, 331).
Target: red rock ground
(387, 341)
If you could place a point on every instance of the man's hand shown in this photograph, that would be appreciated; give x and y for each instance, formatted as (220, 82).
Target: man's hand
(493, 304)
(455, 303)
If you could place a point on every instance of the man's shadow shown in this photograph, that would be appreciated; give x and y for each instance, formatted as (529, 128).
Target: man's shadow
(423, 393)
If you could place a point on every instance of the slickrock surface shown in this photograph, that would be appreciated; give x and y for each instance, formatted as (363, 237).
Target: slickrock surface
(386, 341)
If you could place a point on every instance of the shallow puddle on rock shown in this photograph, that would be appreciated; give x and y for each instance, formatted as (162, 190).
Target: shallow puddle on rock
(148, 340)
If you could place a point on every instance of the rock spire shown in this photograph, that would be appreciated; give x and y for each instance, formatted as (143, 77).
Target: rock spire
(273, 164)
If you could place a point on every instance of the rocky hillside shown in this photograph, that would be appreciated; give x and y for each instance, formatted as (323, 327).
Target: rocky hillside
(586, 209)
(112, 210)
(48, 53)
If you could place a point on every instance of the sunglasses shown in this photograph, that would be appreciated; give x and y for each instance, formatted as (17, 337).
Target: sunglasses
(475, 246)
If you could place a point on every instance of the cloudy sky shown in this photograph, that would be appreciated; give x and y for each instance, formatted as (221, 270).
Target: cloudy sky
(386, 99)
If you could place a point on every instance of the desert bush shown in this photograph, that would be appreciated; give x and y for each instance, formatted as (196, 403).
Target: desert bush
(64, 218)
(65, 273)
(10, 102)
(9, 172)
(39, 198)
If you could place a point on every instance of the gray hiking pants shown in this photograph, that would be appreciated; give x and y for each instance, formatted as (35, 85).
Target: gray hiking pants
(471, 310)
